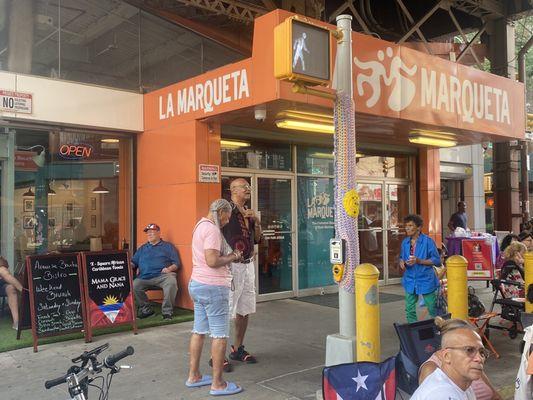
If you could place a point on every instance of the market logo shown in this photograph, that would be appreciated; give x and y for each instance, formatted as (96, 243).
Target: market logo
(439, 91)
(111, 307)
(403, 88)
(76, 151)
(319, 206)
(205, 95)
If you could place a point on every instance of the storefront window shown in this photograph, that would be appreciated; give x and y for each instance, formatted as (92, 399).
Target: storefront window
(72, 192)
(384, 167)
(110, 43)
(315, 228)
(238, 153)
(315, 160)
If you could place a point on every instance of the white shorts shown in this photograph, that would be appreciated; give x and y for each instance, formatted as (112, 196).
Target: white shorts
(242, 297)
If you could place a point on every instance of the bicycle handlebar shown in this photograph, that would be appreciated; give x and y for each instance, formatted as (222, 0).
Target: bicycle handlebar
(57, 381)
(110, 360)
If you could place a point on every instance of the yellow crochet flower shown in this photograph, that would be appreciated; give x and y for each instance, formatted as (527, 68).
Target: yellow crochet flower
(350, 202)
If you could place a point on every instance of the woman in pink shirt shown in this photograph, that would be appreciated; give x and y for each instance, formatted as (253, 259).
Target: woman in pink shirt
(209, 288)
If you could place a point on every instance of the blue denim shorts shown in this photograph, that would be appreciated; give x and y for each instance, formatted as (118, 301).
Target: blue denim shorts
(211, 309)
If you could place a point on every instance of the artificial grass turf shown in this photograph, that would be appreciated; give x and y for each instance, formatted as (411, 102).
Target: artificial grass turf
(8, 336)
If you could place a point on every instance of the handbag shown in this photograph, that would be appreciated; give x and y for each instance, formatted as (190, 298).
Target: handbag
(475, 307)
(524, 382)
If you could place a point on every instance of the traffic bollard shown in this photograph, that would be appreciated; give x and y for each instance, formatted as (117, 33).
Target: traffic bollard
(457, 287)
(367, 313)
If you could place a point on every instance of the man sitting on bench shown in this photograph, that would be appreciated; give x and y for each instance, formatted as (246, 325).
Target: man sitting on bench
(157, 262)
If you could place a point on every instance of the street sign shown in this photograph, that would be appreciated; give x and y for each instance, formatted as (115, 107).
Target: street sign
(302, 52)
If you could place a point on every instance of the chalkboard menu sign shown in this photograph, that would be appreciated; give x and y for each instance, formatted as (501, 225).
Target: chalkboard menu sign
(56, 300)
(108, 289)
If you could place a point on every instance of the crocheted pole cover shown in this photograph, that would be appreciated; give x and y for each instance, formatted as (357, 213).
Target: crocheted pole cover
(345, 163)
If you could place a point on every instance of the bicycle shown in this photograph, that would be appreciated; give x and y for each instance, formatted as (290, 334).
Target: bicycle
(80, 377)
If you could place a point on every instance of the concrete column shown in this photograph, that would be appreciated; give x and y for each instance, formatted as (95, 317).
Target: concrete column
(20, 42)
(7, 228)
(429, 190)
(474, 193)
(505, 159)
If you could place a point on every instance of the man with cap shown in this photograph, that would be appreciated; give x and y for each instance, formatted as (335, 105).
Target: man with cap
(157, 262)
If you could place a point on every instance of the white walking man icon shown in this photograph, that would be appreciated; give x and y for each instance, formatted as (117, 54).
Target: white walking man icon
(298, 48)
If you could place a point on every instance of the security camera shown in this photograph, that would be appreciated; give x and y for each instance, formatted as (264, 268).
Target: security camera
(260, 112)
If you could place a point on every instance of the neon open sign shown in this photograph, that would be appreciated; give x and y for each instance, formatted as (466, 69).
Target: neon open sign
(75, 151)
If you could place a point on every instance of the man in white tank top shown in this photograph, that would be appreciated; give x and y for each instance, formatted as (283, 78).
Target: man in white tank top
(463, 358)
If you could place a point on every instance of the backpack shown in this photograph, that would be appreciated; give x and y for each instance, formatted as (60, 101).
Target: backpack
(475, 306)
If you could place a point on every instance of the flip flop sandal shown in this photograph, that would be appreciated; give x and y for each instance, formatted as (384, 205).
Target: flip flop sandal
(204, 381)
(231, 388)
(227, 366)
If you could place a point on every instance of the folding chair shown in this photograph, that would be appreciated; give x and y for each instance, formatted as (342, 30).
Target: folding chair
(418, 341)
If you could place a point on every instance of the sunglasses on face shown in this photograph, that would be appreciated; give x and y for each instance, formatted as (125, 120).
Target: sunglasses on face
(245, 187)
(471, 351)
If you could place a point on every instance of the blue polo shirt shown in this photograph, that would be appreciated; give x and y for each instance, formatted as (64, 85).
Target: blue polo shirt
(152, 258)
(418, 278)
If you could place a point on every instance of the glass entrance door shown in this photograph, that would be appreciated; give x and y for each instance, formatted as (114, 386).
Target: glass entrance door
(274, 203)
(380, 225)
(272, 199)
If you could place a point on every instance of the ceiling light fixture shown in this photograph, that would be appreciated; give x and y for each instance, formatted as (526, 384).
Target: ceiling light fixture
(433, 138)
(110, 140)
(39, 158)
(50, 191)
(305, 121)
(100, 188)
(233, 144)
(29, 193)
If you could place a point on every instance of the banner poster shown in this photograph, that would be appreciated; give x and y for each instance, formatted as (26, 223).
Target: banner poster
(479, 256)
(109, 289)
(315, 227)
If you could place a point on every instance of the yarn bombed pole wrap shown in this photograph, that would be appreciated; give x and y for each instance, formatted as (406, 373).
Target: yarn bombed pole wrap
(346, 197)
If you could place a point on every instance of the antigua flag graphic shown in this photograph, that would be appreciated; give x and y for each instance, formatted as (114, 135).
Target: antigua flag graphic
(111, 310)
(360, 381)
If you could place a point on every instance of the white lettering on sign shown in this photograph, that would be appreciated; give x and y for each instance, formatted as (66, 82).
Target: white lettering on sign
(15, 102)
(205, 96)
(438, 90)
(209, 173)
(446, 92)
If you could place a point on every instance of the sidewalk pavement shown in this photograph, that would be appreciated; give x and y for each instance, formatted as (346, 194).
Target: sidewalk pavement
(288, 337)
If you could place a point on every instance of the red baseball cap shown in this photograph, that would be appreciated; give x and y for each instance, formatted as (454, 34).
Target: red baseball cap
(154, 227)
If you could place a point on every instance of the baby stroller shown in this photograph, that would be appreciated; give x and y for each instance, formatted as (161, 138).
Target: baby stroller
(511, 309)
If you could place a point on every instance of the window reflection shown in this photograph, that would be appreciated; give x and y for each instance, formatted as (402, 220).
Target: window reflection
(66, 192)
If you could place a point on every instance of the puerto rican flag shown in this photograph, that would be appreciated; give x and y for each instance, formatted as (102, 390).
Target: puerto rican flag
(360, 381)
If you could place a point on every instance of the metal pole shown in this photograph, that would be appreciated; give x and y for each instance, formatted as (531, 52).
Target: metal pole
(341, 348)
(345, 85)
(524, 176)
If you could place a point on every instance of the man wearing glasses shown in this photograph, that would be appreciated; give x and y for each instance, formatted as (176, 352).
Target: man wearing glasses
(242, 232)
(463, 357)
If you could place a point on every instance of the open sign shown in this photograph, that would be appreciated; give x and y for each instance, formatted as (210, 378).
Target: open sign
(75, 151)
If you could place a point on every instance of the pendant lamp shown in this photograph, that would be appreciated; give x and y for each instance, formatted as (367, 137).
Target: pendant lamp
(100, 188)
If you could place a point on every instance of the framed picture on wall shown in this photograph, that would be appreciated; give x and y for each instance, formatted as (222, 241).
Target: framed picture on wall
(93, 203)
(28, 222)
(93, 221)
(69, 206)
(28, 205)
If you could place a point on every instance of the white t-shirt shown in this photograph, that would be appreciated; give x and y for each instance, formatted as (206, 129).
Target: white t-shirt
(437, 386)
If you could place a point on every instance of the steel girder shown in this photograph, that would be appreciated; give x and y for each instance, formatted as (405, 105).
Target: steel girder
(233, 9)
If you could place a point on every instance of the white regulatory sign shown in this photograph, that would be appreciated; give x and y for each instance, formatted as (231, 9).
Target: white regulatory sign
(15, 102)
(209, 173)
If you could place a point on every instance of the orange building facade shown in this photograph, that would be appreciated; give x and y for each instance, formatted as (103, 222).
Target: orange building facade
(397, 90)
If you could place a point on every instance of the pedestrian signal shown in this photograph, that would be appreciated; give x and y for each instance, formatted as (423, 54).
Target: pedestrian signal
(302, 52)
